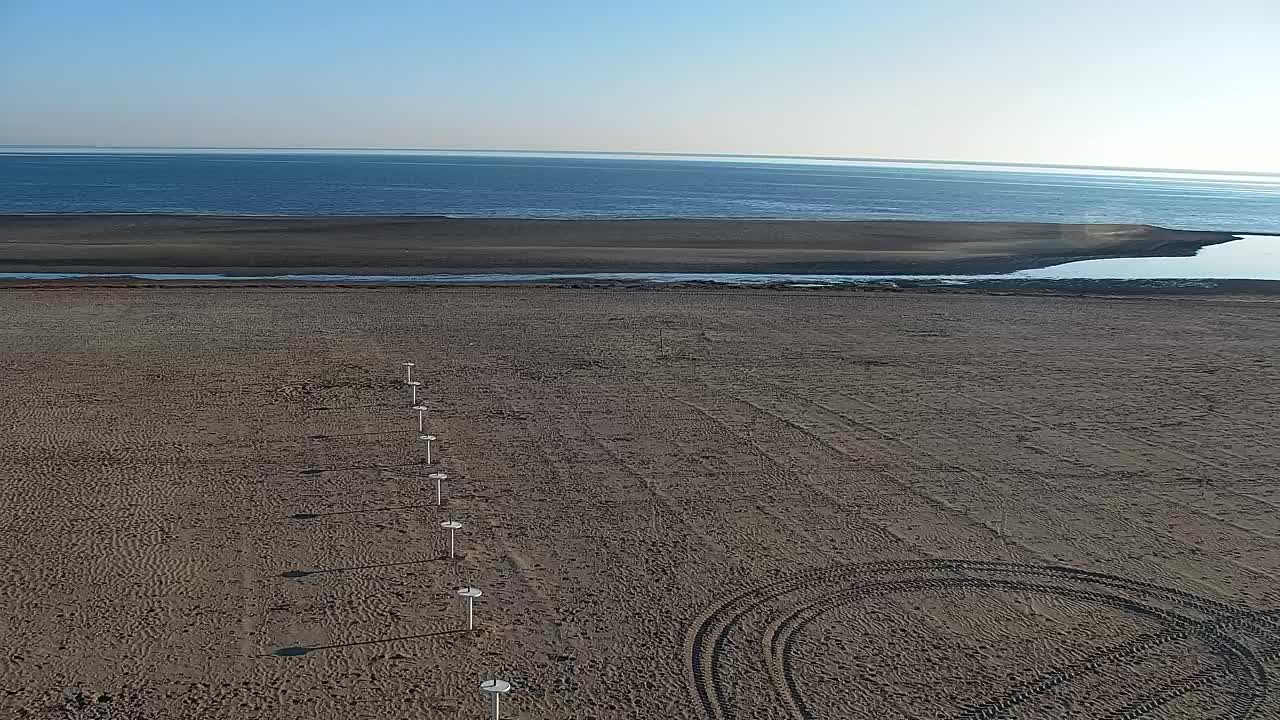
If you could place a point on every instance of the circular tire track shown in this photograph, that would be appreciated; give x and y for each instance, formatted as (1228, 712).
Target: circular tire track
(1237, 670)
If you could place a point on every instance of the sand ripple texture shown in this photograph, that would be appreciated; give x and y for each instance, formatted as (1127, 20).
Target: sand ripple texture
(688, 504)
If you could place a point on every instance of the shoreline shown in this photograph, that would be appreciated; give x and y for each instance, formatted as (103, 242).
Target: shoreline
(429, 245)
(1237, 290)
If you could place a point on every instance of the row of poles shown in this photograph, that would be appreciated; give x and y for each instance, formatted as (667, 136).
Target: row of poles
(493, 687)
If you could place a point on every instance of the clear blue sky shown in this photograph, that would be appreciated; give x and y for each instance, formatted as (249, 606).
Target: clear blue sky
(1159, 83)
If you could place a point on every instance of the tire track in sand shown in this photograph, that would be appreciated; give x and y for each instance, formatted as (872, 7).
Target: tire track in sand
(1239, 671)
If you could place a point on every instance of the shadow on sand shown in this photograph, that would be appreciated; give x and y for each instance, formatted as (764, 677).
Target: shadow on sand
(306, 573)
(300, 650)
(359, 434)
(313, 516)
(317, 471)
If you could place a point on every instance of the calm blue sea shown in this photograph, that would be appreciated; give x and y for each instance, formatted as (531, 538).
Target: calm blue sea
(602, 186)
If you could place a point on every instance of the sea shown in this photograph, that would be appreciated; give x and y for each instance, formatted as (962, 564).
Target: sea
(593, 185)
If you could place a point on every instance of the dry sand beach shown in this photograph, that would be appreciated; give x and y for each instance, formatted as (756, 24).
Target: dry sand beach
(679, 504)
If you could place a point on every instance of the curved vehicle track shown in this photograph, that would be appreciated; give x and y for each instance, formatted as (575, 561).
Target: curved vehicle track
(1235, 644)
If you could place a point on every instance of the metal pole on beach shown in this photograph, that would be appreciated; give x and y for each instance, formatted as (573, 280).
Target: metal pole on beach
(452, 526)
(496, 688)
(429, 439)
(470, 594)
(438, 477)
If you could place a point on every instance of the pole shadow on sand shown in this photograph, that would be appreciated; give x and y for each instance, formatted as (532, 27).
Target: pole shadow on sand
(302, 650)
(313, 516)
(307, 573)
(359, 434)
(317, 471)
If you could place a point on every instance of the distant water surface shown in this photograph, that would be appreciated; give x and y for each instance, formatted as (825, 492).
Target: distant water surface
(586, 186)
(1249, 258)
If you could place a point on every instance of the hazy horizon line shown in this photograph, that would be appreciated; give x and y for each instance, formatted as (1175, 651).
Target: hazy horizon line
(647, 153)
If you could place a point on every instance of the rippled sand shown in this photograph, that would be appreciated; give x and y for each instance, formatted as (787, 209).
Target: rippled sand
(701, 504)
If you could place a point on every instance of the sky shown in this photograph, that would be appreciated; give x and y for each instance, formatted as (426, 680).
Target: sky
(1134, 83)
